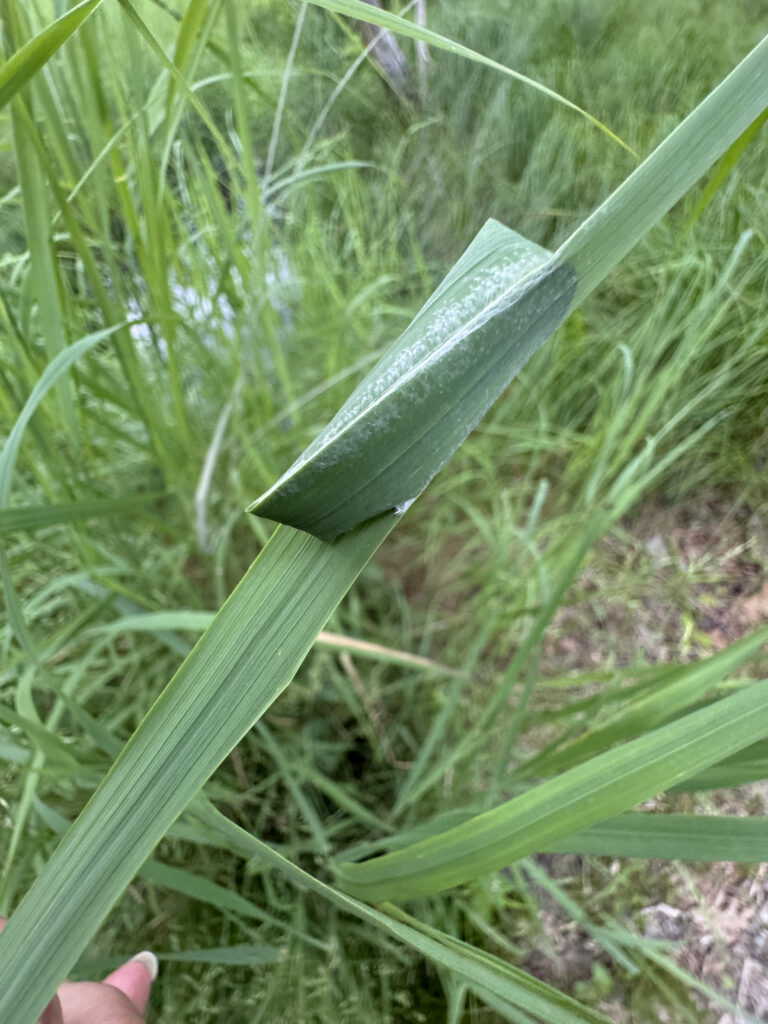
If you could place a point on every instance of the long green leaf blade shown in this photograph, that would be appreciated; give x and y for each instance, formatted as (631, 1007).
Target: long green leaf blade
(27, 61)
(393, 22)
(607, 785)
(694, 837)
(669, 172)
(240, 665)
(478, 967)
(684, 685)
(39, 516)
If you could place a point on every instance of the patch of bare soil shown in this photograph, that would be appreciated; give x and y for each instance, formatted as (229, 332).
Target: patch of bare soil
(719, 924)
(678, 585)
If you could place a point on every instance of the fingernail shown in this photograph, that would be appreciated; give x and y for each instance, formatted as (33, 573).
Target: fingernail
(149, 960)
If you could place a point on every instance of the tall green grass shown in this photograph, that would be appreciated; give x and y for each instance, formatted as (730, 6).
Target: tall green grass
(250, 306)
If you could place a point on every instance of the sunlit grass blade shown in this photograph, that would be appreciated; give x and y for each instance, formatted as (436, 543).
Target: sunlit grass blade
(603, 787)
(34, 54)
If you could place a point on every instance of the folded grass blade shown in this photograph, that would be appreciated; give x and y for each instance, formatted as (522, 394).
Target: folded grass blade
(429, 391)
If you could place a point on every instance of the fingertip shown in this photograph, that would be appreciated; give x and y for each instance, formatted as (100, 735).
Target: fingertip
(148, 958)
(135, 978)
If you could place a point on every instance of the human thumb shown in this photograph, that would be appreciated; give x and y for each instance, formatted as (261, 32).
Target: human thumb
(120, 999)
(135, 978)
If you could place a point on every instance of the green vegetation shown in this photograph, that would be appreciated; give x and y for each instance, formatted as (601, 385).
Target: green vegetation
(234, 256)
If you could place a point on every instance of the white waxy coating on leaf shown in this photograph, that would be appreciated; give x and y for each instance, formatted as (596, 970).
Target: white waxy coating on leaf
(496, 306)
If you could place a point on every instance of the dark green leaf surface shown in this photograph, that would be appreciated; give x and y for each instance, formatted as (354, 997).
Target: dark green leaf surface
(400, 427)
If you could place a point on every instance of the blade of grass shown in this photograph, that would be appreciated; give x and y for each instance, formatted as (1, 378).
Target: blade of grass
(695, 837)
(669, 172)
(606, 785)
(723, 169)
(688, 684)
(232, 675)
(43, 268)
(38, 517)
(479, 968)
(34, 54)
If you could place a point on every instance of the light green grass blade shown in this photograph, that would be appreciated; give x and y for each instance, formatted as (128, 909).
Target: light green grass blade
(197, 622)
(28, 60)
(669, 172)
(695, 837)
(44, 280)
(749, 765)
(476, 966)
(601, 788)
(48, 379)
(421, 400)
(39, 516)
(187, 38)
(724, 167)
(683, 686)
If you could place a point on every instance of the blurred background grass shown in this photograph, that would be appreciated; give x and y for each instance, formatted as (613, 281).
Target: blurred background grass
(264, 259)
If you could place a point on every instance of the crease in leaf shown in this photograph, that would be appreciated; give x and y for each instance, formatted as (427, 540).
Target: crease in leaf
(496, 307)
